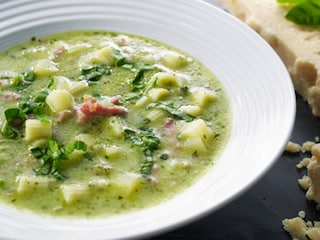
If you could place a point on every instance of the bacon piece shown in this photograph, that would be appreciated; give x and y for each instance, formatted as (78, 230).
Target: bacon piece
(64, 115)
(11, 96)
(80, 116)
(169, 128)
(91, 107)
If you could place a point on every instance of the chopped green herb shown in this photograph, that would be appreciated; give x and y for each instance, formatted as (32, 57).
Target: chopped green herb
(164, 156)
(119, 58)
(303, 12)
(24, 80)
(14, 116)
(2, 181)
(172, 110)
(29, 76)
(53, 155)
(148, 141)
(14, 119)
(36, 106)
(139, 85)
(94, 74)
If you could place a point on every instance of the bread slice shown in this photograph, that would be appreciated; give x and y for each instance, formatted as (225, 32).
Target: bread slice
(297, 46)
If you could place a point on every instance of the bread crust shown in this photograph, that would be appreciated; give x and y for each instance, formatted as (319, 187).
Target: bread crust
(297, 46)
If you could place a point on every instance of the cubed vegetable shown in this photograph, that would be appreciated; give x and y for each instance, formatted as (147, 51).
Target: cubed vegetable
(194, 145)
(203, 96)
(45, 67)
(37, 129)
(31, 183)
(116, 126)
(196, 128)
(143, 101)
(166, 80)
(108, 151)
(104, 56)
(191, 110)
(158, 93)
(74, 192)
(156, 114)
(74, 87)
(173, 60)
(125, 184)
(99, 183)
(60, 100)
(87, 138)
(113, 152)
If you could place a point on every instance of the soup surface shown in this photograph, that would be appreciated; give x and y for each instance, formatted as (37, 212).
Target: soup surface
(100, 123)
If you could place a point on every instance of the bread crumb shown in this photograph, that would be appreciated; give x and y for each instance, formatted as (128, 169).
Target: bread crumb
(303, 163)
(299, 229)
(307, 146)
(293, 147)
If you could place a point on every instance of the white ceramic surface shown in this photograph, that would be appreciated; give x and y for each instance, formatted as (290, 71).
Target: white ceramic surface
(261, 95)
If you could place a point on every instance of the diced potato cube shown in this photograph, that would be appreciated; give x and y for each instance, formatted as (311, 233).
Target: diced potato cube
(45, 67)
(158, 93)
(203, 96)
(37, 129)
(75, 156)
(174, 60)
(101, 169)
(156, 114)
(87, 138)
(116, 126)
(113, 152)
(60, 100)
(104, 56)
(61, 82)
(77, 87)
(31, 183)
(74, 192)
(194, 145)
(196, 128)
(99, 182)
(125, 184)
(143, 101)
(191, 110)
(108, 151)
(74, 87)
(166, 80)
(39, 143)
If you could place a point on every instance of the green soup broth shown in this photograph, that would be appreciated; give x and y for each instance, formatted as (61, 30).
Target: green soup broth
(100, 123)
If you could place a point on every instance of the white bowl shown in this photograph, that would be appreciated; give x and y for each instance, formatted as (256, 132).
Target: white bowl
(260, 91)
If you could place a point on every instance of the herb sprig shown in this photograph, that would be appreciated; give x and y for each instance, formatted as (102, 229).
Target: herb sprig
(93, 74)
(148, 141)
(53, 155)
(171, 109)
(303, 12)
(138, 84)
(11, 127)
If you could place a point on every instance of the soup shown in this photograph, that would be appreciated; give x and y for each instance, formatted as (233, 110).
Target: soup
(102, 123)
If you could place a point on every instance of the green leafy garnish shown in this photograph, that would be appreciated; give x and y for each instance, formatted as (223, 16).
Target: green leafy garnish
(94, 74)
(171, 109)
(148, 141)
(36, 106)
(303, 12)
(53, 155)
(14, 119)
(24, 80)
(119, 58)
(139, 85)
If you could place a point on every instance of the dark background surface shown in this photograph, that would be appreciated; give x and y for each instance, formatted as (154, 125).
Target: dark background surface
(258, 212)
